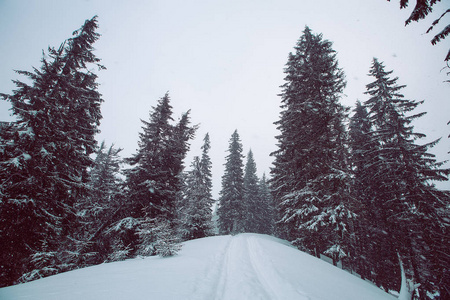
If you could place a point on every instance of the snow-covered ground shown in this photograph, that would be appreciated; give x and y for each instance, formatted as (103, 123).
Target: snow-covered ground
(246, 266)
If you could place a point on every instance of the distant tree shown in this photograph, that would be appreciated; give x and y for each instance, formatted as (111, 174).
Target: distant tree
(405, 209)
(195, 211)
(266, 210)
(45, 158)
(310, 178)
(251, 199)
(231, 209)
(206, 165)
(195, 207)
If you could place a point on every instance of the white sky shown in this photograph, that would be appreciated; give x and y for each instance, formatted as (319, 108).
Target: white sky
(224, 60)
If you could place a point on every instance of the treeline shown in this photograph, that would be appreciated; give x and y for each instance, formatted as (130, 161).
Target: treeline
(361, 191)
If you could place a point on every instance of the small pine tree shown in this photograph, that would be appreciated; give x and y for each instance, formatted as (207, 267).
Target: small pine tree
(230, 210)
(157, 237)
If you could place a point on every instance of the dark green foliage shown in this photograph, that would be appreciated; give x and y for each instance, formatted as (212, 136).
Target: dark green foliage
(101, 207)
(153, 181)
(231, 206)
(361, 147)
(310, 178)
(265, 208)
(195, 211)
(251, 196)
(403, 209)
(46, 155)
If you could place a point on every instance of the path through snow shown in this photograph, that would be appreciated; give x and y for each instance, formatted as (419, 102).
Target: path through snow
(241, 267)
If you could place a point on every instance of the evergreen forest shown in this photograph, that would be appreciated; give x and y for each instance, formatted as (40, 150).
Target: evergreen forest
(351, 183)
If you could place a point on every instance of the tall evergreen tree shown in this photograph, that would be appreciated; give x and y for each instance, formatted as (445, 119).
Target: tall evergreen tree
(46, 155)
(206, 165)
(251, 199)
(196, 212)
(405, 209)
(153, 182)
(310, 177)
(230, 211)
(195, 207)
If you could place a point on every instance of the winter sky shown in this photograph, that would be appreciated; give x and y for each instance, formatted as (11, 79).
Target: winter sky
(224, 60)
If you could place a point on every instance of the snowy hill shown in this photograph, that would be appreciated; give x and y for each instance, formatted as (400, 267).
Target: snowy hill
(246, 266)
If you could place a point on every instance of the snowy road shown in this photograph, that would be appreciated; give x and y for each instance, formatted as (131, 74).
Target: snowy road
(241, 267)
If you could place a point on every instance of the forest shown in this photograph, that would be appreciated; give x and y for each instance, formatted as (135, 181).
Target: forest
(354, 184)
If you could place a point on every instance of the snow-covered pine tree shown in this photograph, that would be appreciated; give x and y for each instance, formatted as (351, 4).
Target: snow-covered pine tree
(195, 207)
(266, 214)
(361, 147)
(46, 156)
(101, 207)
(405, 208)
(310, 176)
(146, 180)
(153, 182)
(231, 209)
(206, 165)
(251, 205)
(195, 214)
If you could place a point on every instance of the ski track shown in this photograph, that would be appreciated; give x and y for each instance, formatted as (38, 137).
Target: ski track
(242, 271)
(277, 286)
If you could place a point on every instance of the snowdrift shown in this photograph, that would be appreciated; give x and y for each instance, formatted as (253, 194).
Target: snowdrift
(245, 266)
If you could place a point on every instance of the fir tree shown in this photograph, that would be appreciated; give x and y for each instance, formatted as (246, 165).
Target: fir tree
(405, 207)
(153, 183)
(157, 237)
(195, 211)
(230, 211)
(195, 215)
(206, 165)
(46, 155)
(266, 213)
(361, 148)
(310, 177)
(101, 207)
(153, 180)
(251, 199)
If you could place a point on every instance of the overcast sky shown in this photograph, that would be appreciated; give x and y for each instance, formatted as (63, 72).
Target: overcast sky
(224, 60)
